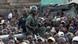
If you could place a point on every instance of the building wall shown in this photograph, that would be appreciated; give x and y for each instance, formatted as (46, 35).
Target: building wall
(23, 1)
(2, 1)
(4, 5)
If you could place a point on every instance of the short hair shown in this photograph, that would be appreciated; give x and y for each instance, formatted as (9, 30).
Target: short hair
(75, 42)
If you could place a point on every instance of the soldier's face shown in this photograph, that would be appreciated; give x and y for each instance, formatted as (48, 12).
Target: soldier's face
(35, 13)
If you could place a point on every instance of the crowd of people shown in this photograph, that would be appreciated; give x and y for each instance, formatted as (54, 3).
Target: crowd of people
(48, 29)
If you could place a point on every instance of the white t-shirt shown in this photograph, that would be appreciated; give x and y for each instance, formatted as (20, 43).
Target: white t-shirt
(10, 15)
(2, 21)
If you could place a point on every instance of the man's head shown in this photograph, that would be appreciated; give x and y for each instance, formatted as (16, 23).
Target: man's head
(33, 12)
(51, 40)
(60, 34)
(29, 37)
(11, 42)
(40, 39)
(10, 35)
(24, 13)
(75, 40)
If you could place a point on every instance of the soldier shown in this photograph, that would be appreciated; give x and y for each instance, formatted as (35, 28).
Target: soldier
(22, 22)
(31, 22)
